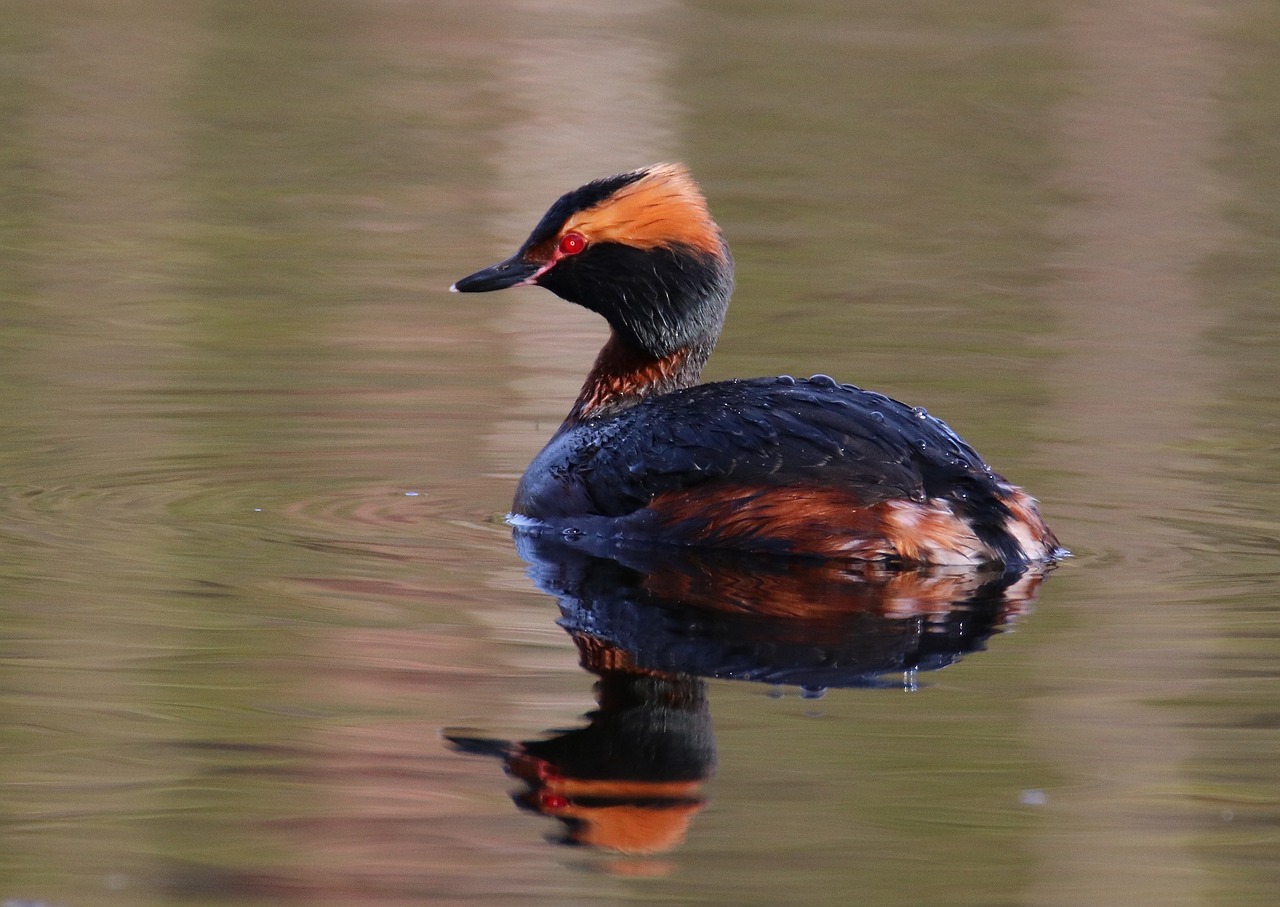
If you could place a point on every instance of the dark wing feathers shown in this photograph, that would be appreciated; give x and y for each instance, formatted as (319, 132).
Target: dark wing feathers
(777, 431)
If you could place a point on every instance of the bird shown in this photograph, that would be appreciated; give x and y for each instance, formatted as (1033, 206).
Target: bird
(776, 466)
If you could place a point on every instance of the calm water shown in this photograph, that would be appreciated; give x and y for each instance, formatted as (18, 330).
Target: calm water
(255, 457)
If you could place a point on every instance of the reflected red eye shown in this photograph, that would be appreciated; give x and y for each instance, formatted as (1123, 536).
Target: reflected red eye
(552, 802)
(572, 243)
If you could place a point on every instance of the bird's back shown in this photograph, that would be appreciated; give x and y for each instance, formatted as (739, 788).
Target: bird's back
(786, 466)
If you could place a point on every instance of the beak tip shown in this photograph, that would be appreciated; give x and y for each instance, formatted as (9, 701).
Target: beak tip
(453, 288)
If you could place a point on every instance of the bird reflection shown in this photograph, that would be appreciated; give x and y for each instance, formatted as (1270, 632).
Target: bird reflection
(631, 780)
(651, 624)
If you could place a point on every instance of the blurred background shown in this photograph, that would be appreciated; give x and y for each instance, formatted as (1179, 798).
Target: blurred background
(256, 457)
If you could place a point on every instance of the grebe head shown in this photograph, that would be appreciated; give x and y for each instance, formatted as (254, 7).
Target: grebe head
(639, 248)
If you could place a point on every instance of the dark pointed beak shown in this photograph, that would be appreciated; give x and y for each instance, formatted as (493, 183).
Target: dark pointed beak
(510, 273)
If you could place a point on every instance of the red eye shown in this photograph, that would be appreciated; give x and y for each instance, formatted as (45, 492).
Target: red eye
(572, 243)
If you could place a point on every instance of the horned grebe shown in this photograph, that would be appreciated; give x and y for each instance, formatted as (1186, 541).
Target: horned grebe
(776, 465)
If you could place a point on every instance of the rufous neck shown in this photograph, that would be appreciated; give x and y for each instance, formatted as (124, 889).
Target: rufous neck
(623, 376)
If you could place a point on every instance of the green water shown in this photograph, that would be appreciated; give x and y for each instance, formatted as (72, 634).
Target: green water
(255, 456)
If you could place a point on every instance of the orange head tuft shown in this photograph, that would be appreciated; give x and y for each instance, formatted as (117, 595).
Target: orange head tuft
(663, 207)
